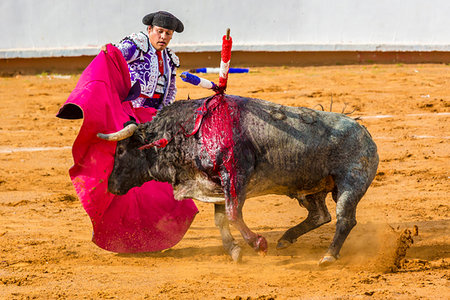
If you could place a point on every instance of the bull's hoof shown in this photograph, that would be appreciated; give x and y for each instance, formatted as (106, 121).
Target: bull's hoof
(327, 260)
(236, 254)
(283, 244)
(261, 245)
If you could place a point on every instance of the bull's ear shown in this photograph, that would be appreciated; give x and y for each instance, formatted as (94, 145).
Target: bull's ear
(141, 135)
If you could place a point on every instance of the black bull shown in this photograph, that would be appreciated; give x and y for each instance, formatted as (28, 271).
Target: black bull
(249, 147)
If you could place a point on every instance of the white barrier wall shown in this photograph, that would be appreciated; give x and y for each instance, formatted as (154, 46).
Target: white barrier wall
(43, 28)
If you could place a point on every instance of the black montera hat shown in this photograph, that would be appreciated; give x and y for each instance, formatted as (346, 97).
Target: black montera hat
(163, 19)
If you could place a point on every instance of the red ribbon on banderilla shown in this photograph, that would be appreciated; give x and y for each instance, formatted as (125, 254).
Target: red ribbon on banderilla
(161, 143)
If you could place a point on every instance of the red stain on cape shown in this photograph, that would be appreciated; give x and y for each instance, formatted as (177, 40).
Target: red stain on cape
(218, 129)
(147, 218)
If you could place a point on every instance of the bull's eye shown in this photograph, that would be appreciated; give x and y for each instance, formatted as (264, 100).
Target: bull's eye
(120, 151)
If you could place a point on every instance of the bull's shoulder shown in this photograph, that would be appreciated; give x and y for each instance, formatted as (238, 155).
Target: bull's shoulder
(174, 118)
(177, 110)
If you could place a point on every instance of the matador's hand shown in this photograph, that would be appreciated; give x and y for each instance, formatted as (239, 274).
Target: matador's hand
(103, 48)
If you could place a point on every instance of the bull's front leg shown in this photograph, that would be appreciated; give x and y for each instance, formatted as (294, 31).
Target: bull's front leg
(234, 190)
(256, 241)
(229, 243)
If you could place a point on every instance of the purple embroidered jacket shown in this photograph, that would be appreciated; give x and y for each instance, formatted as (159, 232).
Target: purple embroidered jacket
(143, 65)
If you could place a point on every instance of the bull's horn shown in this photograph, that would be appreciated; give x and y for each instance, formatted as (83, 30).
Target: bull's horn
(119, 135)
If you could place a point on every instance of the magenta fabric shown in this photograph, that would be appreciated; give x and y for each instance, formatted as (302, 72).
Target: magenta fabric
(147, 218)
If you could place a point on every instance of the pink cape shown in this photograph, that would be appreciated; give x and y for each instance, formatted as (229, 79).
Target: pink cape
(147, 218)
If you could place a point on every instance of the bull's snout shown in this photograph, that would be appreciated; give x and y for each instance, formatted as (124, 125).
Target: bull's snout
(115, 189)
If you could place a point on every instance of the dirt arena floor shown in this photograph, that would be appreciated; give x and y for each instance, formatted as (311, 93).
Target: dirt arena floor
(45, 235)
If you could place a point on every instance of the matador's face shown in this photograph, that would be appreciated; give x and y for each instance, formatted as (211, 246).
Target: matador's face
(159, 37)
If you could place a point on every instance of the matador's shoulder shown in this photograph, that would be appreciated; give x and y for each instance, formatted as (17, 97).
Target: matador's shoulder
(140, 39)
(173, 58)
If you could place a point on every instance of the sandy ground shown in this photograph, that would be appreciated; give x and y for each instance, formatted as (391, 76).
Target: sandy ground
(45, 235)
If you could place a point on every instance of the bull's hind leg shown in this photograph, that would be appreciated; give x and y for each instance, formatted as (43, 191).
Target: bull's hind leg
(228, 241)
(349, 192)
(317, 215)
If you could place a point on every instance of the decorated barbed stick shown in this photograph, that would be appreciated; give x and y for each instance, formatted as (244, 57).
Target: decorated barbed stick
(195, 80)
(227, 42)
(223, 70)
(217, 70)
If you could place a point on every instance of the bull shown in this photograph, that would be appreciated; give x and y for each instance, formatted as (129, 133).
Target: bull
(235, 148)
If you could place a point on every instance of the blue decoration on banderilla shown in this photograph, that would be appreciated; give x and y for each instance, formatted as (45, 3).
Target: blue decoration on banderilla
(195, 80)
